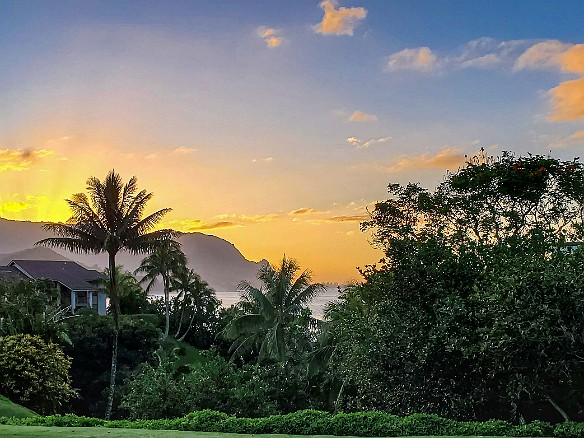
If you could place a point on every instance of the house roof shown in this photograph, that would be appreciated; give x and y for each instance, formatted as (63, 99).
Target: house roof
(70, 274)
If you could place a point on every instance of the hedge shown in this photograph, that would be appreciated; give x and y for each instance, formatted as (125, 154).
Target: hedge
(308, 422)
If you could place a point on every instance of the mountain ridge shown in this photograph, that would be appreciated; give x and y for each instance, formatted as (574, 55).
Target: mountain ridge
(216, 260)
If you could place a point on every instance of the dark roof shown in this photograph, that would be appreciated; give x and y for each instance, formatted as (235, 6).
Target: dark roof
(11, 274)
(69, 274)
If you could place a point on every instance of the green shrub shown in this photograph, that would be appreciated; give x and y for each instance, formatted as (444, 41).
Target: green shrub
(534, 429)
(491, 428)
(206, 420)
(365, 424)
(34, 374)
(569, 430)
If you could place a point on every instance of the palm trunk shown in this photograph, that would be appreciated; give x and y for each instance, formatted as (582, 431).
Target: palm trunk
(166, 308)
(116, 314)
(189, 327)
(182, 314)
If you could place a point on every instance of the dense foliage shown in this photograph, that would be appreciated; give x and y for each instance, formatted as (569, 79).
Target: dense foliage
(34, 374)
(92, 337)
(33, 307)
(273, 322)
(477, 310)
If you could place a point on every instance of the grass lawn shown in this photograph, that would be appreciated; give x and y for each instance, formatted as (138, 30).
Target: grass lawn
(99, 432)
(10, 409)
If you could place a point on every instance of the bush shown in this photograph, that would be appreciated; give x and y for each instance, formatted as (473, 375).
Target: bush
(34, 374)
(376, 424)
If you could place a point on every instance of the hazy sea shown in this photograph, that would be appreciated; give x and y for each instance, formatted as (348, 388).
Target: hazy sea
(317, 305)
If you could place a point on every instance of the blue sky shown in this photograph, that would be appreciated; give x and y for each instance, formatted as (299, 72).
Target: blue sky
(276, 124)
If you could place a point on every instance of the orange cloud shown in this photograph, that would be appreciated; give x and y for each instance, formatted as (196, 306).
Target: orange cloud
(341, 21)
(269, 36)
(419, 59)
(568, 97)
(360, 116)
(447, 158)
(18, 160)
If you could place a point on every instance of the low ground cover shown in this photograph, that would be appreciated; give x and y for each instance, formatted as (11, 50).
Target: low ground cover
(372, 424)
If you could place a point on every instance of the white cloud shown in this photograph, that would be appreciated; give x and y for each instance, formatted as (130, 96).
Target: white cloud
(263, 160)
(360, 116)
(364, 144)
(483, 53)
(419, 59)
(543, 55)
(341, 21)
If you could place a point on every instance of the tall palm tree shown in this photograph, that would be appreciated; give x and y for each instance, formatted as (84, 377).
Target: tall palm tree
(273, 313)
(194, 296)
(109, 219)
(164, 261)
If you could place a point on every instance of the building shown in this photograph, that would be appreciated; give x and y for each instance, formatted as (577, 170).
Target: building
(78, 286)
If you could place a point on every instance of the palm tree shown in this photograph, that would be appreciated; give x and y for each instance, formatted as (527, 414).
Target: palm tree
(164, 261)
(274, 313)
(132, 298)
(109, 219)
(194, 295)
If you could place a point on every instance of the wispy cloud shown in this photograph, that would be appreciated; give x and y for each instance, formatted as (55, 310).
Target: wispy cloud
(191, 225)
(482, 53)
(247, 218)
(575, 139)
(419, 59)
(270, 36)
(20, 159)
(184, 150)
(348, 218)
(447, 158)
(360, 116)
(339, 21)
(364, 144)
(305, 211)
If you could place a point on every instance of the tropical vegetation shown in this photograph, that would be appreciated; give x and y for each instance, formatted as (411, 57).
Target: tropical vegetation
(475, 314)
(108, 220)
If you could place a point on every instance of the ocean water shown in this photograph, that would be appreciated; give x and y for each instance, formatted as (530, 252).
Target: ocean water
(317, 305)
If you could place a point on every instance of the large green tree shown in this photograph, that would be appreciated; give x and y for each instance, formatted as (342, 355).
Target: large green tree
(164, 261)
(476, 310)
(274, 318)
(110, 218)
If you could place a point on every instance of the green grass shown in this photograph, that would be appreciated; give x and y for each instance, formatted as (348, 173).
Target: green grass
(10, 409)
(192, 356)
(98, 432)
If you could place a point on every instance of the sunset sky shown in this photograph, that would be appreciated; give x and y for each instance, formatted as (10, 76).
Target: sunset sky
(275, 124)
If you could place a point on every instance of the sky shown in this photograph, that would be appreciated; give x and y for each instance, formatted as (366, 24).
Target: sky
(277, 125)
